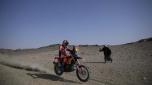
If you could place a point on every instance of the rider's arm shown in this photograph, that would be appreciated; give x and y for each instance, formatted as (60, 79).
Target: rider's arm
(68, 49)
(101, 49)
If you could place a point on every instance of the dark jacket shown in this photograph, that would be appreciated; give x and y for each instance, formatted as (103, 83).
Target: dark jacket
(106, 50)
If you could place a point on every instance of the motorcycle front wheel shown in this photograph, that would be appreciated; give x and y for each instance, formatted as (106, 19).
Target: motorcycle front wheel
(82, 73)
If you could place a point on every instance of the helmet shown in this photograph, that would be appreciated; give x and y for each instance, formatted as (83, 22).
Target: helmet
(65, 42)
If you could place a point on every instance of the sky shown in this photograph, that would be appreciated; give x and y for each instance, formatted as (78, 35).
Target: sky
(37, 23)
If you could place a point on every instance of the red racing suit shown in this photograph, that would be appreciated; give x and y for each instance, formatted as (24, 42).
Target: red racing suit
(63, 53)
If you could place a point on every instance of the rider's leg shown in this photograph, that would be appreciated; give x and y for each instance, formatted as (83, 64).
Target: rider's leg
(62, 63)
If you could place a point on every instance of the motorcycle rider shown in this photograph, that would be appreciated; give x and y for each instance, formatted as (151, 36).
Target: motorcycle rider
(64, 52)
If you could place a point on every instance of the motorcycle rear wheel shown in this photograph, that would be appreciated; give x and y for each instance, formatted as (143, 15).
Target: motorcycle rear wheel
(58, 69)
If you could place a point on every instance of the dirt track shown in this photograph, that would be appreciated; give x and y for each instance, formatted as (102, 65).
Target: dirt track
(131, 66)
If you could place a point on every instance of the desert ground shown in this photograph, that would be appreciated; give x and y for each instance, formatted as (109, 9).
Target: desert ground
(132, 65)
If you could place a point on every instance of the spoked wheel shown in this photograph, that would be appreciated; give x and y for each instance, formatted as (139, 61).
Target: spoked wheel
(82, 73)
(58, 69)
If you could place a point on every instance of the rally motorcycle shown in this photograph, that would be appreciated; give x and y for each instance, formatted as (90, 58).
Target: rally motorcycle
(75, 65)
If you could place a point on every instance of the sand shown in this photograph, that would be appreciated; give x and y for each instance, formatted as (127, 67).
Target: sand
(131, 66)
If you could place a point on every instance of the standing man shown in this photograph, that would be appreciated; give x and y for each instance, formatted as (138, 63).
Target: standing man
(107, 53)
